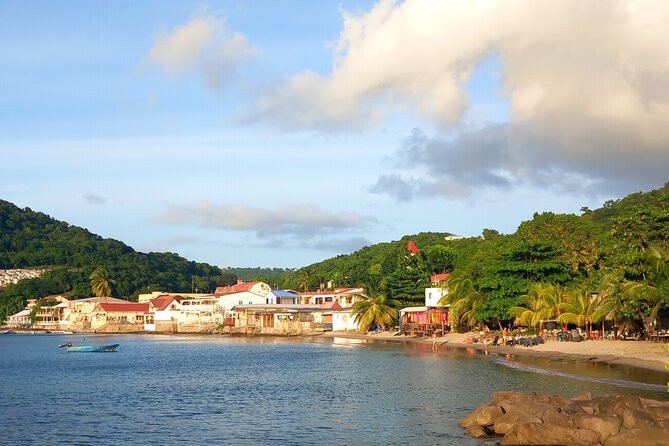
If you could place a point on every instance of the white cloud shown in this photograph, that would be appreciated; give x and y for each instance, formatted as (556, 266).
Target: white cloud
(587, 84)
(203, 45)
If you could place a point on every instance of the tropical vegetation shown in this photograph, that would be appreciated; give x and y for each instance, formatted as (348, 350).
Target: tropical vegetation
(607, 266)
(374, 309)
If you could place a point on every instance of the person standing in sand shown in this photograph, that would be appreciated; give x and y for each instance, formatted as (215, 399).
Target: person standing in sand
(434, 340)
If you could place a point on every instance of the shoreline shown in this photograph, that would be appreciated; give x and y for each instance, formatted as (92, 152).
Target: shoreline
(638, 354)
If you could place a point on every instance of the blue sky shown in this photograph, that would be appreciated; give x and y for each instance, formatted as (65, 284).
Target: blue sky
(263, 133)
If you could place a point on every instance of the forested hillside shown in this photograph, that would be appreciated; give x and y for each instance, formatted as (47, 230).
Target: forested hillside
(33, 239)
(619, 251)
(624, 244)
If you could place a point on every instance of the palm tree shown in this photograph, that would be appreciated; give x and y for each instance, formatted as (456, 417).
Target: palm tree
(612, 291)
(304, 278)
(375, 308)
(463, 299)
(579, 309)
(545, 301)
(101, 283)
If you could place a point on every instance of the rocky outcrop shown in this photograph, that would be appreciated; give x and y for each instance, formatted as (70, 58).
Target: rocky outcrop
(535, 419)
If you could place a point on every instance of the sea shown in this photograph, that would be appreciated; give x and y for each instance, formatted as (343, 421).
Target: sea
(221, 390)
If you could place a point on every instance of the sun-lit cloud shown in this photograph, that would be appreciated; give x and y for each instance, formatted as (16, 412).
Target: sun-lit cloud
(307, 219)
(587, 84)
(203, 45)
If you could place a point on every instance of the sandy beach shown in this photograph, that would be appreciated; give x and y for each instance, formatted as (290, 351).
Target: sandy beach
(642, 354)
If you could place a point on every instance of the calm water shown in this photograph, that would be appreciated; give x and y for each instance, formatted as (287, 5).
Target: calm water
(217, 390)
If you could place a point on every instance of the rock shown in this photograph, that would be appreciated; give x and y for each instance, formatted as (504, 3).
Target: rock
(544, 434)
(585, 397)
(487, 415)
(484, 415)
(576, 409)
(536, 409)
(476, 431)
(618, 405)
(660, 413)
(512, 397)
(604, 425)
(556, 418)
(505, 422)
(645, 436)
(646, 403)
(633, 418)
(532, 419)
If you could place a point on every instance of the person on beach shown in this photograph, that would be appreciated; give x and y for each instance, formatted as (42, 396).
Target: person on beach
(434, 340)
(505, 335)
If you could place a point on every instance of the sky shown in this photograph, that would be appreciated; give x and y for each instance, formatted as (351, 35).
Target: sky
(278, 134)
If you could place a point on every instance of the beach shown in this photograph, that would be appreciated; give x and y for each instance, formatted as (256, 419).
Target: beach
(641, 354)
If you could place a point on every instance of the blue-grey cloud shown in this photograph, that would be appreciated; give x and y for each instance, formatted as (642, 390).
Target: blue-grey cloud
(306, 219)
(95, 199)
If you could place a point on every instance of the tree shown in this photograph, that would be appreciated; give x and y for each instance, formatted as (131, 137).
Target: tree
(579, 309)
(440, 258)
(544, 304)
(611, 290)
(375, 308)
(463, 298)
(101, 283)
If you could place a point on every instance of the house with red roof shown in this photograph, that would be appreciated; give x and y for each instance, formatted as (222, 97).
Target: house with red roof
(241, 293)
(164, 314)
(119, 317)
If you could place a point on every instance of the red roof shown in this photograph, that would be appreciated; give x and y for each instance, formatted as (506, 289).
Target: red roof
(334, 305)
(436, 278)
(411, 246)
(240, 287)
(162, 302)
(130, 307)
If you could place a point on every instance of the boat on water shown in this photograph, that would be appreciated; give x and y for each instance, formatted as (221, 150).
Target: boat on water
(89, 348)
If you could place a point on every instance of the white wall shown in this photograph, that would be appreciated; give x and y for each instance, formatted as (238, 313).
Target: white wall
(433, 295)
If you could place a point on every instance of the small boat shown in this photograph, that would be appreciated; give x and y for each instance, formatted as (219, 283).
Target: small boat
(91, 348)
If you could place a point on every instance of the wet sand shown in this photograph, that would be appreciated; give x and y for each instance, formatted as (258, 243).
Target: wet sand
(641, 354)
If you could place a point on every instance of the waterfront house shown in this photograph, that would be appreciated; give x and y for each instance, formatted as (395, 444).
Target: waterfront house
(147, 297)
(287, 319)
(20, 319)
(242, 293)
(81, 311)
(200, 314)
(282, 297)
(119, 317)
(164, 314)
(345, 297)
(50, 313)
(432, 316)
(438, 290)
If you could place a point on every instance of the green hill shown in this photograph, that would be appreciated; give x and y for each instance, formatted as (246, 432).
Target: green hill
(30, 239)
(563, 249)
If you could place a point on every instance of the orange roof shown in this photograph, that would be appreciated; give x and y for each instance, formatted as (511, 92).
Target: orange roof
(436, 278)
(334, 305)
(130, 307)
(411, 246)
(161, 302)
(240, 287)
